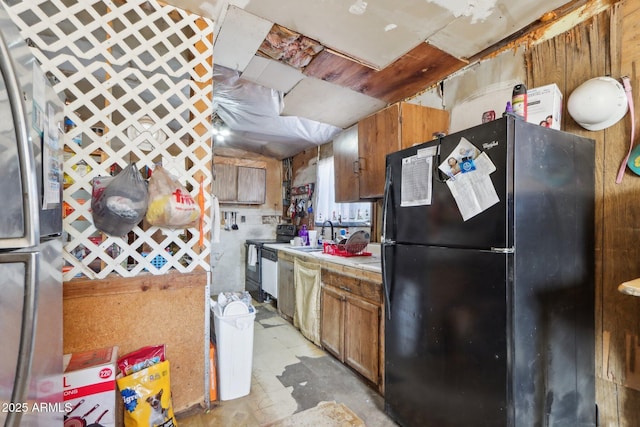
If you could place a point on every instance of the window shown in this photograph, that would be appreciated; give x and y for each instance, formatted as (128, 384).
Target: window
(347, 214)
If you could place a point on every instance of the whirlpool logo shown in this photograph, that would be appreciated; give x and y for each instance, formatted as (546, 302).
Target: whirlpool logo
(490, 145)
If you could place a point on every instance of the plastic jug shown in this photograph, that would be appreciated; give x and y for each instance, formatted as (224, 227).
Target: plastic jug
(313, 238)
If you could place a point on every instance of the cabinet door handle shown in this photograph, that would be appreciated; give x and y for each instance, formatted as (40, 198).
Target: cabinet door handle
(356, 167)
(344, 288)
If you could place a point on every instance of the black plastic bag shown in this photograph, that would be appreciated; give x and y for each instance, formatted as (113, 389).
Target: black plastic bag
(119, 203)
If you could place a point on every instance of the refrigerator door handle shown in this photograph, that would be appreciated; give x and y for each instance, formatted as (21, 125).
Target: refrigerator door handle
(386, 243)
(503, 250)
(25, 154)
(385, 203)
(27, 335)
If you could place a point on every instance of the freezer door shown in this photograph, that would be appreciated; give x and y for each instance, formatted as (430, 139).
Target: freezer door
(440, 222)
(46, 368)
(446, 337)
(17, 317)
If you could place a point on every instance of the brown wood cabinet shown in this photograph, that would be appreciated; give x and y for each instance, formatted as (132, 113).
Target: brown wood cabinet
(351, 324)
(345, 165)
(240, 184)
(252, 185)
(225, 185)
(398, 126)
(332, 321)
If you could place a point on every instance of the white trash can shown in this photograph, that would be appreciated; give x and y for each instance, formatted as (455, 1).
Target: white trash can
(234, 341)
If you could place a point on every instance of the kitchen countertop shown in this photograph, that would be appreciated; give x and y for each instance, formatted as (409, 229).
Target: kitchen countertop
(367, 263)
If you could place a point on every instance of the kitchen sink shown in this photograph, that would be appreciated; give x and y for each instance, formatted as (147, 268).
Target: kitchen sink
(307, 248)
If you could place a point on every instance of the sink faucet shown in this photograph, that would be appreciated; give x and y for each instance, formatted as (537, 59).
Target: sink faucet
(322, 230)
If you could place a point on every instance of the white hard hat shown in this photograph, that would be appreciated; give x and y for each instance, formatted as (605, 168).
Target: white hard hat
(598, 103)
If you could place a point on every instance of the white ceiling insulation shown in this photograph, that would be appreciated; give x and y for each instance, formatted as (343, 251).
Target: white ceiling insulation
(371, 32)
(254, 114)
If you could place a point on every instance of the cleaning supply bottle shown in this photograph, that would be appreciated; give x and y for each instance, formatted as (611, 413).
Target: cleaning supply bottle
(519, 100)
(304, 235)
(508, 110)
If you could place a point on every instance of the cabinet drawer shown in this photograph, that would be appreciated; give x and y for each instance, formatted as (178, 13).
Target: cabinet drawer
(285, 256)
(371, 291)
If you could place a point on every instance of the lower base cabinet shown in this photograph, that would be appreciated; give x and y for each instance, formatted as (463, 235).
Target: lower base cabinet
(351, 323)
(361, 332)
(286, 287)
(332, 321)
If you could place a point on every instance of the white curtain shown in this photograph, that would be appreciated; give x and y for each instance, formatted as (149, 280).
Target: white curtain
(327, 209)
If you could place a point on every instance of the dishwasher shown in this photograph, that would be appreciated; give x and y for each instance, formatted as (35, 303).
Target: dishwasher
(269, 272)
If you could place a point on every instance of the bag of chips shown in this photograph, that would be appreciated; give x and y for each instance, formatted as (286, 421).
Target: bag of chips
(141, 358)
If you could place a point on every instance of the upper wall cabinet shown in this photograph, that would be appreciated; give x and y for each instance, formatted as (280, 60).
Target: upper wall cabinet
(251, 185)
(345, 165)
(225, 185)
(240, 184)
(398, 126)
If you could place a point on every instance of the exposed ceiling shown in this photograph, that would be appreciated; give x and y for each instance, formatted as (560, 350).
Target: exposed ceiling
(363, 55)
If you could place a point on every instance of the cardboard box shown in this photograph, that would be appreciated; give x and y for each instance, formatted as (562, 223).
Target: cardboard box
(544, 106)
(89, 386)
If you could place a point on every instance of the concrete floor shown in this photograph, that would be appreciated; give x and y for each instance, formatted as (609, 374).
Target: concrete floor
(291, 374)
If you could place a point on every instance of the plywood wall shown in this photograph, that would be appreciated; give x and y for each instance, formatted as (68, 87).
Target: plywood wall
(605, 45)
(145, 310)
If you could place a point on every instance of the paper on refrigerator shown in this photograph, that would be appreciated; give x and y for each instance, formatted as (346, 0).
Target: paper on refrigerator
(417, 184)
(469, 179)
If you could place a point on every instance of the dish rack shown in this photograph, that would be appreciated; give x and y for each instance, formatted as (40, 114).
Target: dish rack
(344, 249)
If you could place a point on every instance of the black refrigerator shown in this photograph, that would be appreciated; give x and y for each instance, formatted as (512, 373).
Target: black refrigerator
(488, 271)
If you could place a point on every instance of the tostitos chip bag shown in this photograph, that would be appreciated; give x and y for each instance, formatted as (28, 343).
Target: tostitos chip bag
(146, 395)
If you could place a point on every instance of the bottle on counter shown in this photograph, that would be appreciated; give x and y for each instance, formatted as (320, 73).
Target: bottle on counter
(304, 235)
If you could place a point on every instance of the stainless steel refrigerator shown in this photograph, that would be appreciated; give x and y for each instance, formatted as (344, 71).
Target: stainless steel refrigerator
(30, 242)
(488, 268)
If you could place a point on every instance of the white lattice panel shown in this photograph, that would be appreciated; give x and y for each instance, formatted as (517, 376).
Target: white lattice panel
(116, 62)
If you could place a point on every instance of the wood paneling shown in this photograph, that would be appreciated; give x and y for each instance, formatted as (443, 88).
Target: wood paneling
(422, 67)
(304, 167)
(335, 68)
(606, 45)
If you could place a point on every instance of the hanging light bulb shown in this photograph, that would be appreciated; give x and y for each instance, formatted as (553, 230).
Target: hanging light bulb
(219, 129)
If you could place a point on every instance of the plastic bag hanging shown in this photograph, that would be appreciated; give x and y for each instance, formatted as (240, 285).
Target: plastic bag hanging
(119, 203)
(170, 204)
